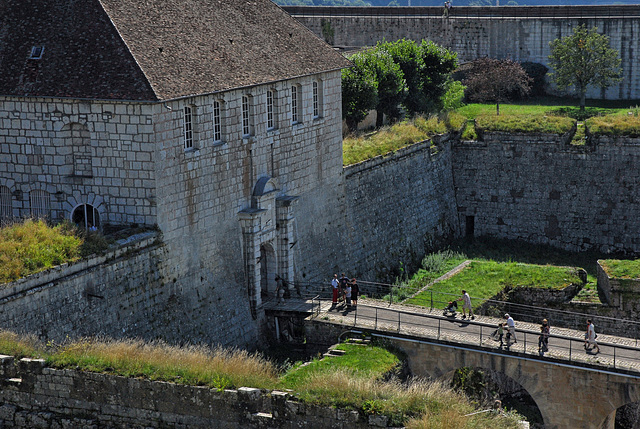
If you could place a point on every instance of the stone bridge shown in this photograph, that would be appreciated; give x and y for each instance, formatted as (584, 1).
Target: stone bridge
(571, 388)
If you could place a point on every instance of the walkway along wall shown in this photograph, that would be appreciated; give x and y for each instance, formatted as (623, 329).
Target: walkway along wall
(518, 32)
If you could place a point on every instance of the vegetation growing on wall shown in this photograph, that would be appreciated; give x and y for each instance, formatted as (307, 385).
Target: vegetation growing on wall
(622, 269)
(352, 381)
(397, 136)
(621, 124)
(525, 123)
(32, 246)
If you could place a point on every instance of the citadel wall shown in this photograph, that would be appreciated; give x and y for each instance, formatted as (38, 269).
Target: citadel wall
(541, 189)
(518, 33)
(36, 396)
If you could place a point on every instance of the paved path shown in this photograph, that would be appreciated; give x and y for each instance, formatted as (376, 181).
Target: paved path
(411, 320)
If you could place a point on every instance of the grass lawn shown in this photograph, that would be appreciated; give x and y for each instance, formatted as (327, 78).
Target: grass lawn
(483, 279)
(507, 251)
(622, 269)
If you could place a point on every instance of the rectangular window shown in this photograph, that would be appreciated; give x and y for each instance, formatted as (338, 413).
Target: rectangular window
(6, 203)
(188, 127)
(316, 106)
(295, 102)
(40, 203)
(270, 116)
(246, 130)
(217, 122)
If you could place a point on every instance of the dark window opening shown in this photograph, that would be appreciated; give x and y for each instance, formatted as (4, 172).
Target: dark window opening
(470, 226)
(86, 216)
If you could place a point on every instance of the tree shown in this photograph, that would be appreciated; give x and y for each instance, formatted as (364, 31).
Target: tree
(391, 84)
(582, 59)
(497, 81)
(426, 68)
(359, 91)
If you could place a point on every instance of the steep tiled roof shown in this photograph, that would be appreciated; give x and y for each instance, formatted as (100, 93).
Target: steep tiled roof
(153, 49)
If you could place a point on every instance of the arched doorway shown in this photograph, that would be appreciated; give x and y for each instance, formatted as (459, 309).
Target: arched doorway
(485, 386)
(86, 216)
(267, 271)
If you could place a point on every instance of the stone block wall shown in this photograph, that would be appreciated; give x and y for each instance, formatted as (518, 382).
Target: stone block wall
(522, 35)
(79, 152)
(541, 189)
(33, 395)
(398, 207)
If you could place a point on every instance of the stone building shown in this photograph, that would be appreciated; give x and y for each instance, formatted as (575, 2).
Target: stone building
(217, 121)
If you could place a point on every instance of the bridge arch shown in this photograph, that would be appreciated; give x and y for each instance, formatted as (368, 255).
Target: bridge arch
(566, 395)
(513, 395)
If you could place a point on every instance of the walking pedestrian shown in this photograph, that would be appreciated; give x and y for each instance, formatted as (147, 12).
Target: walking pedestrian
(511, 329)
(500, 333)
(355, 291)
(590, 337)
(347, 295)
(543, 339)
(334, 289)
(466, 305)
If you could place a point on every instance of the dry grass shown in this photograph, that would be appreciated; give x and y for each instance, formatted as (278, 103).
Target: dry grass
(357, 148)
(521, 123)
(195, 365)
(621, 124)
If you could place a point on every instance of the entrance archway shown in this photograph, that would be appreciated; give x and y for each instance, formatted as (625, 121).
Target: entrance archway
(268, 273)
(86, 216)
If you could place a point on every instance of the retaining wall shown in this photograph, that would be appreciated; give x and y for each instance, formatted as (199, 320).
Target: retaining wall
(36, 396)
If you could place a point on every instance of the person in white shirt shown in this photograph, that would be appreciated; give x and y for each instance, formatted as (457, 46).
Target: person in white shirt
(511, 329)
(590, 337)
(466, 305)
(334, 286)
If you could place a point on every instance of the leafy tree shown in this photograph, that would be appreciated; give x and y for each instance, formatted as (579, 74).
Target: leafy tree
(391, 84)
(359, 91)
(426, 68)
(582, 59)
(438, 63)
(497, 81)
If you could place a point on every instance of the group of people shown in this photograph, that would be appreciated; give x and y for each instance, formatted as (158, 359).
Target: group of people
(344, 290)
(543, 339)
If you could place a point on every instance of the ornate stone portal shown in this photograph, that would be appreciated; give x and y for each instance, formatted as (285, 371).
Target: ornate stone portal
(267, 239)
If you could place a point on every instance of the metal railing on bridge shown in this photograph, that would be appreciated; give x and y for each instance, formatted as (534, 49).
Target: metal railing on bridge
(619, 357)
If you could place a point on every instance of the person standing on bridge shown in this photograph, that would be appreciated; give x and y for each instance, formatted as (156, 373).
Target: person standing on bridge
(334, 289)
(466, 305)
(543, 339)
(344, 280)
(590, 337)
(511, 329)
(355, 291)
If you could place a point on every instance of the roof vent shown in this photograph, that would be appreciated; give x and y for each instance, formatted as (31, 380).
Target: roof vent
(36, 52)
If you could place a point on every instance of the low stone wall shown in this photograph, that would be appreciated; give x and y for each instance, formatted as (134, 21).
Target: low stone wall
(36, 396)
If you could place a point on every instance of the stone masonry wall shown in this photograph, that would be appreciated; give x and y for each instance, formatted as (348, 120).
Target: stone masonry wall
(79, 152)
(541, 189)
(398, 207)
(472, 35)
(35, 396)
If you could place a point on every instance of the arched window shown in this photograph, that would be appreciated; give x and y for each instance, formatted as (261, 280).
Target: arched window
(40, 202)
(6, 204)
(86, 216)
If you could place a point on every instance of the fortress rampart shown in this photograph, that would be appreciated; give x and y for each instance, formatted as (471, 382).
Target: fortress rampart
(521, 33)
